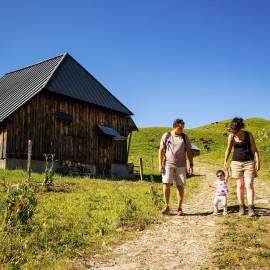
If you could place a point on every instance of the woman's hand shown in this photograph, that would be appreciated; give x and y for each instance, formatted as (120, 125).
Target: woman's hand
(190, 170)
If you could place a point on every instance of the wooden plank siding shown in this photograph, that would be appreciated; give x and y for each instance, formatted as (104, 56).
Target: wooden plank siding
(78, 140)
(3, 141)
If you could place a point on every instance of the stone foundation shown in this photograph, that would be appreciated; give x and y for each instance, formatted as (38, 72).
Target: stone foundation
(14, 163)
(121, 170)
(117, 170)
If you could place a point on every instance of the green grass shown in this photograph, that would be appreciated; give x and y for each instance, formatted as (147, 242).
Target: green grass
(78, 218)
(81, 216)
(242, 242)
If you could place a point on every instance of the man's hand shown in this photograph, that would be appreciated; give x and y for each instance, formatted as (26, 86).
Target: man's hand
(190, 170)
(161, 169)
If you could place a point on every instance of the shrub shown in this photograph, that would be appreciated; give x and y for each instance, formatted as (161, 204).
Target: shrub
(49, 170)
(20, 204)
(156, 197)
(129, 214)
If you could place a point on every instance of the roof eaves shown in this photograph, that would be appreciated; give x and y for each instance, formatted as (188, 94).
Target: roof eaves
(92, 103)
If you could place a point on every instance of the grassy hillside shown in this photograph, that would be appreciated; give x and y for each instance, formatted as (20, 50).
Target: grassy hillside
(145, 143)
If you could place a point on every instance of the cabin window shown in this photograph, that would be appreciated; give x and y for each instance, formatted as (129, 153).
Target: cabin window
(64, 116)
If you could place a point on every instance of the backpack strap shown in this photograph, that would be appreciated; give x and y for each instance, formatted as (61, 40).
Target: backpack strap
(165, 143)
(183, 136)
(168, 135)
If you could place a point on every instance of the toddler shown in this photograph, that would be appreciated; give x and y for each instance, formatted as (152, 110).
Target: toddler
(221, 189)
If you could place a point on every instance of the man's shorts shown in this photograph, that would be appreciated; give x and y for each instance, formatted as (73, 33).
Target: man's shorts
(243, 169)
(175, 174)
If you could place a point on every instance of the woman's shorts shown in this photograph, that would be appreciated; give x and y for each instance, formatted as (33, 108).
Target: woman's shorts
(174, 174)
(243, 169)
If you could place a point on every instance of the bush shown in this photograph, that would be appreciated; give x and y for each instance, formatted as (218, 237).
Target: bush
(49, 170)
(20, 204)
(129, 214)
(156, 197)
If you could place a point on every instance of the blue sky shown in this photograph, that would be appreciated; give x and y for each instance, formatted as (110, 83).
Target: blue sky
(203, 61)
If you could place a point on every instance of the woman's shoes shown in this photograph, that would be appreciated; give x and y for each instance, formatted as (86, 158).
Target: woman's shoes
(241, 210)
(251, 211)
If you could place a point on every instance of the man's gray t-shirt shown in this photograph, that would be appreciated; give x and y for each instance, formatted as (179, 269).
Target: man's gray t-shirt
(175, 154)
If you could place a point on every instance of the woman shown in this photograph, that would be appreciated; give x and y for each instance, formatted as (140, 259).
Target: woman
(245, 163)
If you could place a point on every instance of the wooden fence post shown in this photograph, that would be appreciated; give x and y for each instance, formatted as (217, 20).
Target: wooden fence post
(129, 140)
(29, 155)
(152, 163)
(141, 169)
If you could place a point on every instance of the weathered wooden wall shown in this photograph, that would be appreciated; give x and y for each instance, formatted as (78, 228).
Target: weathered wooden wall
(78, 140)
(3, 141)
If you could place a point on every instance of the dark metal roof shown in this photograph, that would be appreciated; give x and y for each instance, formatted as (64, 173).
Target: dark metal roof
(72, 80)
(17, 87)
(109, 131)
(131, 124)
(61, 74)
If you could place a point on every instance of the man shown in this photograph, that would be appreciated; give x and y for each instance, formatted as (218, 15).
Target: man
(174, 146)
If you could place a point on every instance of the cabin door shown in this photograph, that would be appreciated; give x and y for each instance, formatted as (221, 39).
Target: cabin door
(105, 155)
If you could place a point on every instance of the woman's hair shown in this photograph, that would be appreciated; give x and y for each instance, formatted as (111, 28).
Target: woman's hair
(237, 123)
(220, 171)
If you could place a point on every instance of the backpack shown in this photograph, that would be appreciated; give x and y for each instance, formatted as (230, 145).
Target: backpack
(168, 135)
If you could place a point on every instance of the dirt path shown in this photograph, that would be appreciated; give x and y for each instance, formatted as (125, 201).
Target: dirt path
(180, 242)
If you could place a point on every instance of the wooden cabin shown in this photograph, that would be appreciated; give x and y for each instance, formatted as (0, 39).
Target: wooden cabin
(62, 109)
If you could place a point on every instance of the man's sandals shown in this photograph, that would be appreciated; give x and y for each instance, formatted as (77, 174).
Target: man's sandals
(165, 210)
(179, 211)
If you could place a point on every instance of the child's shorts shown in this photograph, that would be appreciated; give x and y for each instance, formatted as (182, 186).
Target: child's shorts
(174, 174)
